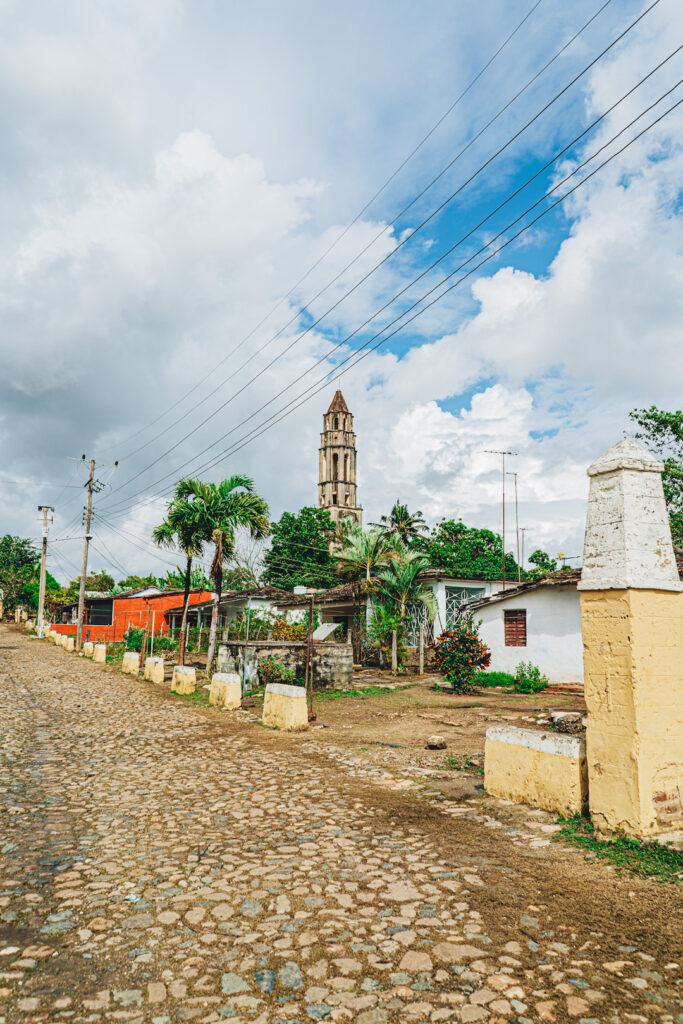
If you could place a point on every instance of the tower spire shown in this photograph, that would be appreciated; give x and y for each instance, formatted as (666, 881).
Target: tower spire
(337, 485)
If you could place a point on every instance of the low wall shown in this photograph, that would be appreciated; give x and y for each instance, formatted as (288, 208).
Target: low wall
(537, 768)
(332, 662)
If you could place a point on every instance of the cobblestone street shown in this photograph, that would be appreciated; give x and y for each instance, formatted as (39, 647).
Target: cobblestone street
(160, 862)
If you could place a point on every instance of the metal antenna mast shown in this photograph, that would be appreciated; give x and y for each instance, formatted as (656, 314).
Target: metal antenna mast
(497, 451)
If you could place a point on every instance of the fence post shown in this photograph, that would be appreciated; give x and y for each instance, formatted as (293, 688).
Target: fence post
(394, 651)
(422, 649)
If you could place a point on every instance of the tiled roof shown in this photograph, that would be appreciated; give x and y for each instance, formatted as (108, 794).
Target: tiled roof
(338, 404)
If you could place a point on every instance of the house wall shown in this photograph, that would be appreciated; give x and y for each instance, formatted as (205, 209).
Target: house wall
(439, 590)
(131, 611)
(553, 633)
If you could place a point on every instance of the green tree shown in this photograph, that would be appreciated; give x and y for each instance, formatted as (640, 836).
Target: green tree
(365, 553)
(468, 553)
(543, 564)
(175, 579)
(219, 510)
(52, 590)
(300, 550)
(662, 433)
(99, 582)
(138, 582)
(401, 523)
(19, 567)
(399, 583)
(181, 530)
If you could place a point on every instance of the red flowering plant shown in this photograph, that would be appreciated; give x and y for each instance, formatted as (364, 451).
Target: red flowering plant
(459, 654)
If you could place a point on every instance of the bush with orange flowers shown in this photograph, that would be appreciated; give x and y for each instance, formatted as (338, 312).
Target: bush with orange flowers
(459, 655)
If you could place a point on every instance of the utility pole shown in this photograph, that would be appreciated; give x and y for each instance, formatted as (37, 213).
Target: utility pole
(496, 451)
(43, 567)
(523, 530)
(519, 567)
(84, 564)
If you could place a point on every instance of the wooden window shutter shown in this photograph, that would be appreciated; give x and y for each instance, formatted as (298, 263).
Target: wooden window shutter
(515, 627)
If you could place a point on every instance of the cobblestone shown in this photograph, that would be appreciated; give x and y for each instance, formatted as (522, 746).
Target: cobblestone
(154, 867)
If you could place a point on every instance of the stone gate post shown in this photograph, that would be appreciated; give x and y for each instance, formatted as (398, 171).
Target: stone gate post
(632, 625)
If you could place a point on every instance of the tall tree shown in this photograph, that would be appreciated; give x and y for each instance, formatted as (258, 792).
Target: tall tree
(542, 563)
(220, 509)
(407, 526)
(468, 553)
(19, 567)
(365, 552)
(662, 433)
(181, 529)
(399, 583)
(299, 554)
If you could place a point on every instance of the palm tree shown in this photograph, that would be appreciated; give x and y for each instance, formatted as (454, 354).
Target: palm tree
(364, 553)
(180, 529)
(403, 524)
(398, 585)
(220, 509)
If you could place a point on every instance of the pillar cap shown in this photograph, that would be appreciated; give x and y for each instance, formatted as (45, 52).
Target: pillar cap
(627, 454)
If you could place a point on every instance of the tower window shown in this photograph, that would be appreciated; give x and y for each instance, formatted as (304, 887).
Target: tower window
(336, 423)
(347, 462)
(347, 498)
(334, 499)
(335, 466)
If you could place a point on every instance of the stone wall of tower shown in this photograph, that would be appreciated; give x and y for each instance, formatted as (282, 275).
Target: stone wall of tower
(337, 476)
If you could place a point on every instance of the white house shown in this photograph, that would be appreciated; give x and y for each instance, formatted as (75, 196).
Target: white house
(539, 622)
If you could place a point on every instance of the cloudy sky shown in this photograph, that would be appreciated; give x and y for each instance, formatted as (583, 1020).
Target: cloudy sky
(189, 256)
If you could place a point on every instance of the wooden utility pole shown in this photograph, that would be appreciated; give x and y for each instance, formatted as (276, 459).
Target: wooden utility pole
(84, 563)
(309, 662)
(143, 646)
(394, 651)
(422, 648)
(43, 567)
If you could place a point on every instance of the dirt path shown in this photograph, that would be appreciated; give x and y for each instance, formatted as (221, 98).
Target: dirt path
(164, 862)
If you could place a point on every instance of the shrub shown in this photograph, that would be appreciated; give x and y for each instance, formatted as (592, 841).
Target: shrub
(529, 679)
(271, 671)
(459, 653)
(494, 679)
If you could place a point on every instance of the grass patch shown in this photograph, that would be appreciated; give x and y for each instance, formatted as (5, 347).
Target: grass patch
(647, 859)
(198, 697)
(367, 691)
(494, 679)
(464, 764)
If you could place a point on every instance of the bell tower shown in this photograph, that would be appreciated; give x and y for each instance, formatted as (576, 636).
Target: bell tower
(337, 473)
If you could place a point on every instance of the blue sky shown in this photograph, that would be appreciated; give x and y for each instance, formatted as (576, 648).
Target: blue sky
(170, 171)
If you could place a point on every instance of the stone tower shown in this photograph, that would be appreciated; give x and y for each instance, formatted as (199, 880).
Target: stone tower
(337, 474)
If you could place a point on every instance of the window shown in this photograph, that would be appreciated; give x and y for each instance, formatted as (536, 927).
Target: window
(456, 596)
(334, 499)
(515, 627)
(336, 423)
(335, 466)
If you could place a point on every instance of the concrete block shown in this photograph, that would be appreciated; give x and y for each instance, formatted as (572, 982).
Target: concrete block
(285, 707)
(154, 669)
(226, 690)
(184, 679)
(131, 663)
(536, 768)
(88, 648)
(99, 653)
(70, 643)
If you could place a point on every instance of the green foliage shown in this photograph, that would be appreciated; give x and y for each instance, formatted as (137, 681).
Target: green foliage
(380, 633)
(367, 691)
(466, 552)
(19, 568)
(494, 679)
(398, 584)
(175, 579)
(134, 638)
(542, 563)
(299, 553)
(366, 552)
(52, 590)
(138, 582)
(459, 653)
(662, 433)
(271, 671)
(406, 526)
(239, 578)
(529, 678)
(648, 859)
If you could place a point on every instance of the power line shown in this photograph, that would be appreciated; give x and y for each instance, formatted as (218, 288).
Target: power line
(231, 450)
(348, 227)
(403, 241)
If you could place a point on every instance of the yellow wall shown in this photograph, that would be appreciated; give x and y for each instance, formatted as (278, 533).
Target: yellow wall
(535, 777)
(284, 711)
(633, 668)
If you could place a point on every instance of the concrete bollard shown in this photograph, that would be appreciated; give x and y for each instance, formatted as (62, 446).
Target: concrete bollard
(131, 663)
(285, 707)
(88, 648)
(70, 644)
(61, 640)
(154, 670)
(184, 679)
(99, 653)
(226, 690)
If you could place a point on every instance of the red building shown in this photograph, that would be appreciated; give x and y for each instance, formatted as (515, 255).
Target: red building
(108, 618)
